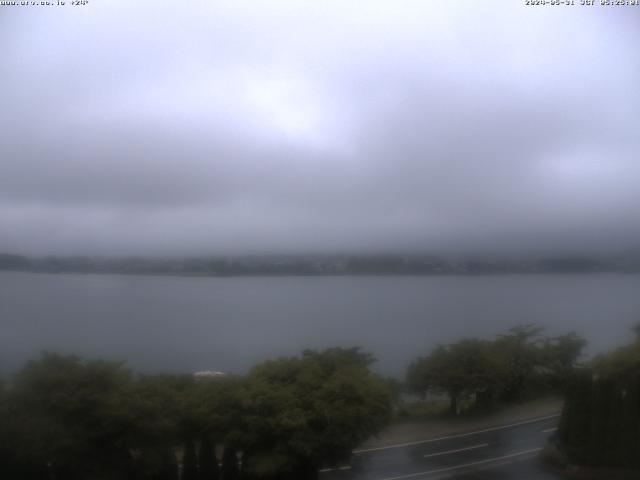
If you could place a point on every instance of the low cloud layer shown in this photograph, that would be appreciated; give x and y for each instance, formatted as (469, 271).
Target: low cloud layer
(249, 127)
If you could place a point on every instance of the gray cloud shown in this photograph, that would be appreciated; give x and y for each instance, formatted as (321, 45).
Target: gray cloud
(242, 127)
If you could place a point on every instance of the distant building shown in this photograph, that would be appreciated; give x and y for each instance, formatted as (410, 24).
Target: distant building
(208, 374)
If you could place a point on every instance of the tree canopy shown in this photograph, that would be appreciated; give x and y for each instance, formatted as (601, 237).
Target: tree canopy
(65, 417)
(302, 411)
(601, 416)
(504, 367)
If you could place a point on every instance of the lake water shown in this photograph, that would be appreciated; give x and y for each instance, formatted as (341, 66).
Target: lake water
(193, 323)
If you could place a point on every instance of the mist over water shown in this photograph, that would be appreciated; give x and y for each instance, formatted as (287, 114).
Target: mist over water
(220, 129)
(208, 128)
(210, 185)
(184, 324)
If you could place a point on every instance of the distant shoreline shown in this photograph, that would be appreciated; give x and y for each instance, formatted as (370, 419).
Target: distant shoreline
(320, 275)
(319, 265)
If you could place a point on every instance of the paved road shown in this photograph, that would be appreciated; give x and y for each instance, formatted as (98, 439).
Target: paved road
(500, 453)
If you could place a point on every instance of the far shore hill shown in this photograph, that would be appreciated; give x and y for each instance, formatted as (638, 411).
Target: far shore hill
(311, 265)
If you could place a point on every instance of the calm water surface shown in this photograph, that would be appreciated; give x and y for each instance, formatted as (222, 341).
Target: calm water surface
(187, 323)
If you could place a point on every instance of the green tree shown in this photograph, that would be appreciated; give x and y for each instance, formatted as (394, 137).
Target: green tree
(417, 378)
(520, 353)
(156, 464)
(157, 409)
(189, 461)
(601, 415)
(230, 469)
(301, 412)
(209, 469)
(169, 466)
(75, 417)
(465, 368)
(560, 356)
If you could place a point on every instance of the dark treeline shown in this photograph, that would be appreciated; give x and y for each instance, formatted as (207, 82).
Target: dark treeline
(65, 418)
(475, 373)
(600, 424)
(316, 265)
(62, 417)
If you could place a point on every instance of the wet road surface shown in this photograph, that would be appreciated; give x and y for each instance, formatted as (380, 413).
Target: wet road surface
(500, 453)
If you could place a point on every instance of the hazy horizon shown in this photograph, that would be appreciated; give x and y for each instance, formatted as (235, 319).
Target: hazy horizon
(215, 128)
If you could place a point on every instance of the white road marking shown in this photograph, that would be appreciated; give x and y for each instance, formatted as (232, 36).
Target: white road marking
(458, 435)
(447, 452)
(464, 465)
(345, 467)
(547, 430)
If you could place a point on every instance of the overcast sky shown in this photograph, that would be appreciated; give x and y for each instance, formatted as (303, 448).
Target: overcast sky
(205, 127)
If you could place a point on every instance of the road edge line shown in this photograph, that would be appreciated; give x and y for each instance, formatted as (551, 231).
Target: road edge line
(456, 435)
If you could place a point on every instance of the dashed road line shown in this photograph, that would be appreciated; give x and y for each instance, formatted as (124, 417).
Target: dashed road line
(447, 452)
(344, 467)
(458, 435)
(464, 465)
